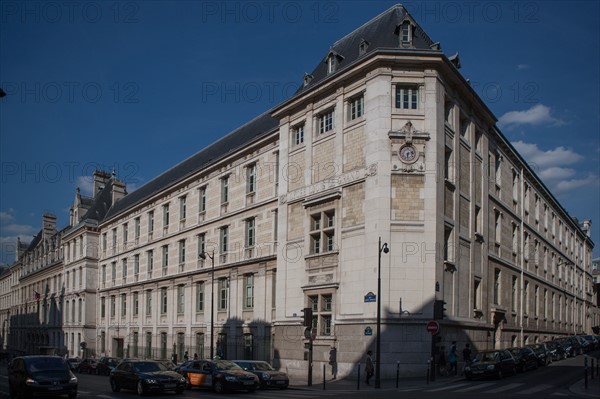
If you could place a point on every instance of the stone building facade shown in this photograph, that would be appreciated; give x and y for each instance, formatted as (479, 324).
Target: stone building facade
(385, 142)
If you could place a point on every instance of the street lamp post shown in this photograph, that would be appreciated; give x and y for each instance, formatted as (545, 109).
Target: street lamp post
(382, 248)
(203, 256)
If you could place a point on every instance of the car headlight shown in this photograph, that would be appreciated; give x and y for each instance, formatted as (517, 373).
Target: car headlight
(182, 379)
(150, 381)
(467, 368)
(230, 378)
(491, 367)
(265, 376)
(31, 381)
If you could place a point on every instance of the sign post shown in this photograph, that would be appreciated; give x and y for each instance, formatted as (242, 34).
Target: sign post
(433, 327)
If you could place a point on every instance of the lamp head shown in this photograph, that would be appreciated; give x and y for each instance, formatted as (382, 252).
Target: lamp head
(385, 248)
(202, 255)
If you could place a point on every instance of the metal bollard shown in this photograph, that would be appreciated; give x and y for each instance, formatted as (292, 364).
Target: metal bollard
(397, 373)
(592, 370)
(358, 379)
(324, 377)
(585, 373)
(428, 364)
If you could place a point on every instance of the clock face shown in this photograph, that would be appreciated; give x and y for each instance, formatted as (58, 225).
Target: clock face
(408, 154)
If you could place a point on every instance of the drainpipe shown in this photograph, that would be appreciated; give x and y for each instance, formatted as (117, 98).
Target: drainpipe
(521, 258)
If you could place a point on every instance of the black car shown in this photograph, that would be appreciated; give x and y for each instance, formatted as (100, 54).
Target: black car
(543, 355)
(572, 346)
(219, 375)
(145, 376)
(44, 375)
(557, 352)
(525, 358)
(73, 363)
(492, 363)
(268, 377)
(106, 365)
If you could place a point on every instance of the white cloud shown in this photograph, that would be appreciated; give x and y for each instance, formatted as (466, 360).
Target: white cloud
(86, 184)
(536, 115)
(18, 229)
(540, 159)
(566, 185)
(6, 216)
(556, 173)
(522, 66)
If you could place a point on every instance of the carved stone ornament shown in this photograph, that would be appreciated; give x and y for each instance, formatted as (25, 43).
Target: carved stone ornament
(409, 131)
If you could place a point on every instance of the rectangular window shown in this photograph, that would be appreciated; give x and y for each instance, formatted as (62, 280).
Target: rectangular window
(114, 271)
(497, 287)
(514, 292)
(249, 291)
(135, 343)
(149, 303)
(407, 97)
(202, 199)
(104, 242)
(464, 127)
(182, 252)
(180, 299)
(224, 233)
(201, 244)
(225, 190)
(150, 265)
(150, 221)
(163, 300)
(124, 267)
(137, 228)
(114, 239)
(251, 178)
(125, 233)
(103, 274)
(322, 235)
(199, 345)
(165, 216)
(102, 307)
(298, 134)
(326, 122)
(112, 306)
(123, 305)
(356, 107)
(223, 293)
(200, 296)
(165, 257)
(536, 300)
(136, 265)
(250, 233)
(526, 297)
(163, 345)
(182, 208)
(476, 294)
(136, 304)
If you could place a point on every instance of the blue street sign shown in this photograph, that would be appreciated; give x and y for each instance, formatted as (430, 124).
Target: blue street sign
(368, 331)
(370, 297)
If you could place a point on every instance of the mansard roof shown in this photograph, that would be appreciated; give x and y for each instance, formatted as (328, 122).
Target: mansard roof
(237, 139)
(380, 32)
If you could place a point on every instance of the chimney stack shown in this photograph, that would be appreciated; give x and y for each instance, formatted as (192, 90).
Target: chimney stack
(101, 178)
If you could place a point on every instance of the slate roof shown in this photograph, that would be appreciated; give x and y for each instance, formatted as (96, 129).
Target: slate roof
(256, 128)
(101, 203)
(380, 32)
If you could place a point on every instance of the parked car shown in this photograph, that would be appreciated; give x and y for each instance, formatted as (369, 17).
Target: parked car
(541, 351)
(586, 346)
(145, 376)
(493, 363)
(219, 375)
(106, 365)
(88, 366)
(572, 346)
(525, 358)
(73, 363)
(168, 364)
(592, 341)
(557, 352)
(45, 375)
(268, 377)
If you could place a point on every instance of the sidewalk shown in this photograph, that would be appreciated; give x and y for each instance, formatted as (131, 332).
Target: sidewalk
(350, 384)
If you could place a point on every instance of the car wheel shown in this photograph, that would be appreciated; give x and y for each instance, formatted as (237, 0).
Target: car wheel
(140, 388)
(114, 386)
(219, 387)
(179, 391)
(72, 395)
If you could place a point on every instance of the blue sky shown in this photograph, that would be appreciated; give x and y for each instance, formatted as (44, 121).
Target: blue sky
(140, 85)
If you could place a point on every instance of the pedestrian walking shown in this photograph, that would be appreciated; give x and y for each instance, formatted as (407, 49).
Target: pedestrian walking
(186, 357)
(369, 369)
(467, 354)
(453, 360)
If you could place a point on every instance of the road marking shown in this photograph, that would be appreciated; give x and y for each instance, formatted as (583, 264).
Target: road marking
(447, 387)
(535, 389)
(475, 387)
(505, 387)
(559, 394)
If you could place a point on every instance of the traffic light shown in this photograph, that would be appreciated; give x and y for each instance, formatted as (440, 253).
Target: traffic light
(439, 309)
(308, 315)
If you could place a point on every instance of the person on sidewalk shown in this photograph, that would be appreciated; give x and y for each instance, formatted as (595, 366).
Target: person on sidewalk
(453, 360)
(467, 354)
(369, 369)
(441, 363)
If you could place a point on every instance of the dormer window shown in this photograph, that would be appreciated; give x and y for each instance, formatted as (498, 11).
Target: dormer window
(307, 79)
(331, 64)
(405, 33)
(362, 47)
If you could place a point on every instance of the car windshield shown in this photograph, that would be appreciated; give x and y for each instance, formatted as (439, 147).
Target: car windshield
(147, 367)
(226, 365)
(46, 363)
(486, 356)
(262, 366)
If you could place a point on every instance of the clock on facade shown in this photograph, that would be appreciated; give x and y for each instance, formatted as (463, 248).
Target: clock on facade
(408, 153)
